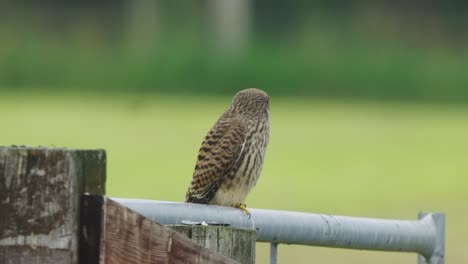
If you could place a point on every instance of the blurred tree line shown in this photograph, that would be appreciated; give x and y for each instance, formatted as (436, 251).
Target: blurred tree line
(413, 50)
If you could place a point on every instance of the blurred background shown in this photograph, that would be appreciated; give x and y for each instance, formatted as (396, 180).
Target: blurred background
(369, 100)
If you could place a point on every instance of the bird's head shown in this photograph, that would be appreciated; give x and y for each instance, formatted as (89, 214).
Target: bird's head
(252, 102)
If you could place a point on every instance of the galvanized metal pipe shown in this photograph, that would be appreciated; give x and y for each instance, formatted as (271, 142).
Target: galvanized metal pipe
(273, 253)
(287, 227)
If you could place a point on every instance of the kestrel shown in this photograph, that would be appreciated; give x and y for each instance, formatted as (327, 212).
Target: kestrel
(231, 155)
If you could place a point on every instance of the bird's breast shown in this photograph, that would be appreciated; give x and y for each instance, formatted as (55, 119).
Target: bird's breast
(245, 173)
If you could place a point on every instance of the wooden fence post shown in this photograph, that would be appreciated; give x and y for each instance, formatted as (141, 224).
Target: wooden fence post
(235, 243)
(40, 192)
(115, 234)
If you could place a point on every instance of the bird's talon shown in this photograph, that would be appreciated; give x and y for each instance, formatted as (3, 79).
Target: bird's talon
(243, 208)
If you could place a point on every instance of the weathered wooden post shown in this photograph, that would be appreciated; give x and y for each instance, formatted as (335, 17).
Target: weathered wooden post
(40, 192)
(115, 234)
(48, 216)
(235, 243)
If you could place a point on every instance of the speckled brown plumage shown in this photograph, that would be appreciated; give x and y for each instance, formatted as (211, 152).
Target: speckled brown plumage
(231, 156)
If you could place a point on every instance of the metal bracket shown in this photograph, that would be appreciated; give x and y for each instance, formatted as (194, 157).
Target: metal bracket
(438, 254)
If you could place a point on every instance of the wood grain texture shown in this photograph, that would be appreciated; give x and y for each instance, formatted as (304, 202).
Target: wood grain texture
(39, 200)
(38, 255)
(237, 244)
(127, 237)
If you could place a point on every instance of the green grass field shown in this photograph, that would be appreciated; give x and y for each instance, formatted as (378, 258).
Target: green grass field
(333, 157)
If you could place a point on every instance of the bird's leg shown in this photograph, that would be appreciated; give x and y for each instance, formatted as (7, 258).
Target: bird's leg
(243, 208)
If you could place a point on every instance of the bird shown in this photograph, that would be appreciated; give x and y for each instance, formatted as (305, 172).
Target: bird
(231, 155)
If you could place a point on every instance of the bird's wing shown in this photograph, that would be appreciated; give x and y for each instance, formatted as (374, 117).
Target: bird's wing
(219, 152)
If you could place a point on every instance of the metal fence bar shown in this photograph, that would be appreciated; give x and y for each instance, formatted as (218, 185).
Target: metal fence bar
(273, 253)
(419, 236)
(438, 254)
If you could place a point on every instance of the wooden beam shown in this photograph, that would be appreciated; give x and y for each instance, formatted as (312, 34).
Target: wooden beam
(235, 243)
(39, 201)
(125, 236)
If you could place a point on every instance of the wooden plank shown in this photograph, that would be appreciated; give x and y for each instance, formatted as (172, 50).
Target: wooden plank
(39, 200)
(128, 237)
(235, 243)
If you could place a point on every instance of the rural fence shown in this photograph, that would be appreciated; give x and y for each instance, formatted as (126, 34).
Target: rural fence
(425, 236)
(53, 210)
